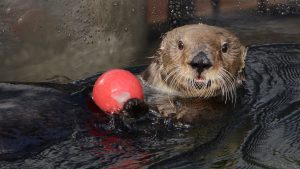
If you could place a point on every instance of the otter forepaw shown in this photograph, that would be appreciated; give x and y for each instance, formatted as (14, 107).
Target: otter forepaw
(135, 108)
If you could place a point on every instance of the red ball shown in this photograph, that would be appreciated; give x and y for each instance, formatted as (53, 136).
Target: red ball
(113, 88)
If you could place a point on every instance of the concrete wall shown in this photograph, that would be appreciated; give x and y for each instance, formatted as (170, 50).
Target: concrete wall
(73, 39)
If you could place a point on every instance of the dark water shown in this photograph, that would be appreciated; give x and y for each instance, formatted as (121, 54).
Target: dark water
(263, 131)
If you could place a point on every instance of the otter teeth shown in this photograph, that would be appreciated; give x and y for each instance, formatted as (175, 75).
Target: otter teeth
(204, 82)
(200, 79)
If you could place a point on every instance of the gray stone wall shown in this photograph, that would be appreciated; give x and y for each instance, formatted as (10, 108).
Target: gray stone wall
(64, 40)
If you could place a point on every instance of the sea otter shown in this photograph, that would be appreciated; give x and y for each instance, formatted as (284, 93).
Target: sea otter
(194, 72)
(196, 69)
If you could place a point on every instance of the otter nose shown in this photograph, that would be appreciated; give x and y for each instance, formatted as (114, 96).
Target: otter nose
(200, 62)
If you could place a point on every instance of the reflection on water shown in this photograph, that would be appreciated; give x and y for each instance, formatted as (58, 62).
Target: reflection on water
(262, 132)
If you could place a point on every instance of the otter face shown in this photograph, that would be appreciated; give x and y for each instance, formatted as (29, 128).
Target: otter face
(201, 61)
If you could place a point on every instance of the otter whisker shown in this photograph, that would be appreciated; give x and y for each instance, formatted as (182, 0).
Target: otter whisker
(174, 84)
(220, 84)
(230, 86)
(191, 84)
(197, 85)
(227, 85)
(224, 86)
(233, 85)
(186, 80)
(212, 90)
(224, 82)
(169, 74)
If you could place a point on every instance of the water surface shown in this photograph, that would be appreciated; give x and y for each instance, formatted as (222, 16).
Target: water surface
(261, 132)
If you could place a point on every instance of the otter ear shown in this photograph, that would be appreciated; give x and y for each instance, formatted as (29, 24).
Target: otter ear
(156, 57)
(241, 77)
(163, 42)
(162, 45)
(245, 51)
(244, 55)
(241, 74)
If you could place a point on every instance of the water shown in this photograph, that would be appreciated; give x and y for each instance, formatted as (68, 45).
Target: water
(261, 132)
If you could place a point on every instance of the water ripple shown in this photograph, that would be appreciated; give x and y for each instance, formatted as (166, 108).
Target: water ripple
(263, 132)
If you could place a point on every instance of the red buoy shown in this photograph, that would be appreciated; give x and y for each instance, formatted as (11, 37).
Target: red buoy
(113, 88)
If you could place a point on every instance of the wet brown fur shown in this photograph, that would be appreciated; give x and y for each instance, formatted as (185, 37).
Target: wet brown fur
(174, 79)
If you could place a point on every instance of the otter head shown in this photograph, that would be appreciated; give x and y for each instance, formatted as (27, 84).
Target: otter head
(198, 61)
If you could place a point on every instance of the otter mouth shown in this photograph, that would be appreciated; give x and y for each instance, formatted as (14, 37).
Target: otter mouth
(202, 82)
(200, 79)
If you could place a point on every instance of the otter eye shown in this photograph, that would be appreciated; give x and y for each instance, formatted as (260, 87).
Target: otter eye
(180, 45)
(224, 47)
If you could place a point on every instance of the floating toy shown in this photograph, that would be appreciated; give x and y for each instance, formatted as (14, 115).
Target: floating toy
(113, 88)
